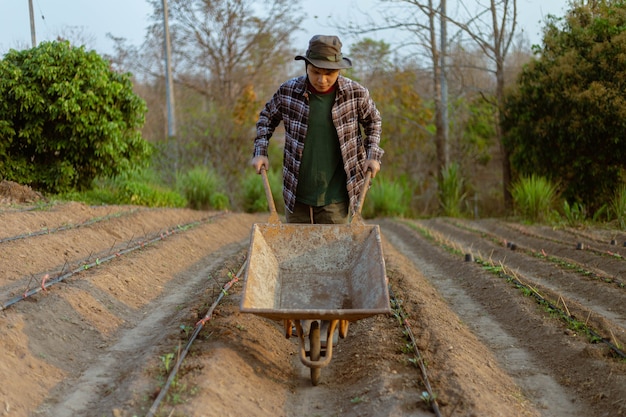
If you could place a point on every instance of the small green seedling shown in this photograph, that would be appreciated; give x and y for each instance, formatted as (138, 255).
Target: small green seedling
(427, 398)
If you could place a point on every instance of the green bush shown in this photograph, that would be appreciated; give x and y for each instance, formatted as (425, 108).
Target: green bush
(201, 187)
(67, 118)
(385, 198)
(533, 197)
(564, 117)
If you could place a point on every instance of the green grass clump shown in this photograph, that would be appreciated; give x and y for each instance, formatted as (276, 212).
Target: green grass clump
(253, 192)
(575, 214)
(385, 198)
(533, 198)
(451, 191)
(201, 186)
(150, 195)
(618, 207)
(141, 187)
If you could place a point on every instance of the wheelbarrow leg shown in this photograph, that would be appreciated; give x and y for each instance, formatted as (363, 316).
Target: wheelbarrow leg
(325, 334)
(288, 326)
(343, 328)
(314, 348)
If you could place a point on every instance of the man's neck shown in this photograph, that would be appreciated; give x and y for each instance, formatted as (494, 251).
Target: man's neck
(314, 91)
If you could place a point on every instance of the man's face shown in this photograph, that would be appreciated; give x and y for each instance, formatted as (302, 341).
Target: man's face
(321, 79)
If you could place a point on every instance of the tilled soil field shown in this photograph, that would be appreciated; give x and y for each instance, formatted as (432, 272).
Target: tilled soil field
(100, 303)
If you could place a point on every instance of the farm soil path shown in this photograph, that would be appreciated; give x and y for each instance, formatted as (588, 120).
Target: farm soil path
(137, 281)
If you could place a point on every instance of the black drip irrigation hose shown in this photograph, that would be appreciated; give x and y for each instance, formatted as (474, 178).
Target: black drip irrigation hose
(562, 263)
(30, 208)
(580, 269)
(67, 227)
(46, 282)
(429, 396)
(579, 245)
(199, 325)
(563, 314)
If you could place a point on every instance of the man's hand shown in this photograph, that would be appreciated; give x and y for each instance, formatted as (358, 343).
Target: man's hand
(259, 162)
(371, 165)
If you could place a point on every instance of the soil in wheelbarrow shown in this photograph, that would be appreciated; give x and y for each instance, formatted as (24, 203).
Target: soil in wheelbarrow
(101, 342)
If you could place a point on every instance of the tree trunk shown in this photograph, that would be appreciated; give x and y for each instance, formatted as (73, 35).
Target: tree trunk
(441, 131)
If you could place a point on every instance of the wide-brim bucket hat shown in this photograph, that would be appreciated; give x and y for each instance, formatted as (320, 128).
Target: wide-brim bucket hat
(325, 52)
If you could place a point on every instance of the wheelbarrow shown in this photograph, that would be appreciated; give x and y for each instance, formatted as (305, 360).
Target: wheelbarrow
(325, 274)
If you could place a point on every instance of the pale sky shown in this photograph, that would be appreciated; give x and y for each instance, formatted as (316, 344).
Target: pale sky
(129, 18)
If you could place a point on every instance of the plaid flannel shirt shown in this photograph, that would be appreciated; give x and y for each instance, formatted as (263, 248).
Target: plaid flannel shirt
(352, 110)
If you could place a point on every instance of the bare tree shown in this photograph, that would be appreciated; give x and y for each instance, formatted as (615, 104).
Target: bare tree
(77, 36)
(493, 29)
(231, 44)
(427, 37)
(491, 26)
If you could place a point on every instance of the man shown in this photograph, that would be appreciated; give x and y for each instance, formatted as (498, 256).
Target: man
(325, 157)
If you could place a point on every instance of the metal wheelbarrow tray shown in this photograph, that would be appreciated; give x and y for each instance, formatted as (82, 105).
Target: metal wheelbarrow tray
(316, 271)
(323, 273)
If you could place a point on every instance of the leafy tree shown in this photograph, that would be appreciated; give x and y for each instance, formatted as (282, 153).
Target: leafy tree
(66, 118)
(567, 119)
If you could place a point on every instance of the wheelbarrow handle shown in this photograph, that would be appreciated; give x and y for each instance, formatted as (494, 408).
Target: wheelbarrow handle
(366, 185)
(270, 198)
(274, 214)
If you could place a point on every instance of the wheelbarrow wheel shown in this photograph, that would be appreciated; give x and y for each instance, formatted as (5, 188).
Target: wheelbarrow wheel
(315, 350)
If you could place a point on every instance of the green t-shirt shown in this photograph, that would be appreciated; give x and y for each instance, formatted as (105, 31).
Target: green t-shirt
(321, 179)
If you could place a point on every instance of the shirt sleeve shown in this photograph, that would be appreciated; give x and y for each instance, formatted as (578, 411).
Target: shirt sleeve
(372, 128)
(269, 118)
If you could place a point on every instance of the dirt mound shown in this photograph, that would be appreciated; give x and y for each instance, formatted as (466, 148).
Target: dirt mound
(137, 280)
(14, 193)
